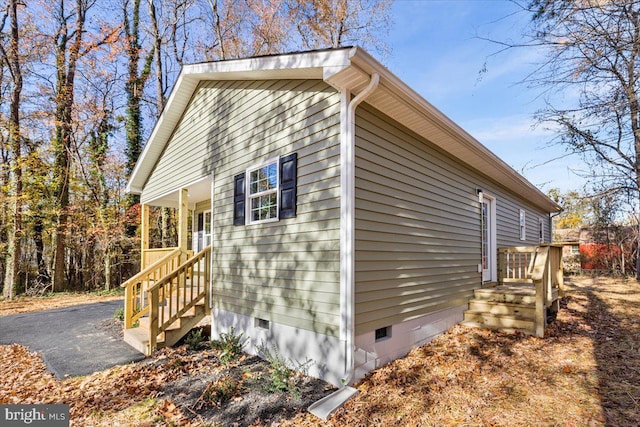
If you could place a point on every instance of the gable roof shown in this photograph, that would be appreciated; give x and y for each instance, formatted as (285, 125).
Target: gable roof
(345, 69)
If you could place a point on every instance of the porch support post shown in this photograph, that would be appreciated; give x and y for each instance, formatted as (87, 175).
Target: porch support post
(183, 218)
(144, 234)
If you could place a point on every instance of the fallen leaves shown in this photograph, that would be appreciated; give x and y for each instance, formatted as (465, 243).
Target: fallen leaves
(483, 378)
(586, 372)
(24, 304)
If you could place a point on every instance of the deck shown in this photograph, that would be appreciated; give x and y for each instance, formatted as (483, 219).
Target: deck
(526, 299)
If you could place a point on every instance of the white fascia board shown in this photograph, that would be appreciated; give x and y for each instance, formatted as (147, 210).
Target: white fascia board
(162, 130)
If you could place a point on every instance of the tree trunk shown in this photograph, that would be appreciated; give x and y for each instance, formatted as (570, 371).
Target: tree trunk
(638, 254)
(43, 273)
(66, 63)
(12, 276)
(107, 268)
(134, 87)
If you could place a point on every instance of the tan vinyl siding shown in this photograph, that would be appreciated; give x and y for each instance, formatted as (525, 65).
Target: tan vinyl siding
(508, 218)
(418, 224)
(285, 271)
(202, 206)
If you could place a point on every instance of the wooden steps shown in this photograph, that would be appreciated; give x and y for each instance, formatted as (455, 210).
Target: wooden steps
(167, 299)
(138, 338)
(503, 307)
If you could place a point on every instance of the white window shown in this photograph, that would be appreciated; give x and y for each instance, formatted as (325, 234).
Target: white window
(203, 223)
(523, 225)
(262, 193)
(575, 249)
(541, 228)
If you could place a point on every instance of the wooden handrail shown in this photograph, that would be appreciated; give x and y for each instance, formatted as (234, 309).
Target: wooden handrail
(540, 265)
(539, 275)
(515, 263)
(134, 301)
(189, 262)
(151, 268)
(181, 290)
(149, 256)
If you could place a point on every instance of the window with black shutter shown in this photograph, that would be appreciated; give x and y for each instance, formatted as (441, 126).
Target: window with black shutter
(239, 199)
(288, 185)
(266, 192)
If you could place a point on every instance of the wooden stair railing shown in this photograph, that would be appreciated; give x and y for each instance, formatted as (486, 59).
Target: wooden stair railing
(180, 290)
(540, 265)
(547, 275)
(135, 301)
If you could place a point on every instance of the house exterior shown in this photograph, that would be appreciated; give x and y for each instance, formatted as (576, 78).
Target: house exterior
(569, 238)
(598, 250)
(349, 220)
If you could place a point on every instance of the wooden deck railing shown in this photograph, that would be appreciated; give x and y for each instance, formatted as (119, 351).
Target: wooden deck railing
(135, 301)
(150, 256)
(540, 265)
(180, 291)
(515, 264)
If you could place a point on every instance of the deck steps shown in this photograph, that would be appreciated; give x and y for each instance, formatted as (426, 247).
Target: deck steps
(507, 294)
(503, 307)
(138, 337)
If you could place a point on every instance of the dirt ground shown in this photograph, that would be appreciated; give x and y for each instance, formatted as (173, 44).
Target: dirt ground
(586, 372)
(24, 304)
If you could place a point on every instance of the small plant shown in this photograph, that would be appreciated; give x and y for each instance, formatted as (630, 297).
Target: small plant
(195, 341)
(119, 314)
(221, 391)
(284, 374)
(230, 345)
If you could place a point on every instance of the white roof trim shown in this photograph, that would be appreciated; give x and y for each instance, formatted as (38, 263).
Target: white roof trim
(303, 65)
(347, 68)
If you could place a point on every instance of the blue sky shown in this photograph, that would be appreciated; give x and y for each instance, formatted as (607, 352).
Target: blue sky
(434, 49)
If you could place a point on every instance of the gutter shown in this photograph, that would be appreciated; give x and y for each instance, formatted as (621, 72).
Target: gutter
(347, 208)
(327, 405)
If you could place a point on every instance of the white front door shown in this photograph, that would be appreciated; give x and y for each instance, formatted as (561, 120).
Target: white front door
(204, 230)
(488, 239)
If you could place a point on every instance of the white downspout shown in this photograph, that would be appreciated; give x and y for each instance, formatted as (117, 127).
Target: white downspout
(347, 213)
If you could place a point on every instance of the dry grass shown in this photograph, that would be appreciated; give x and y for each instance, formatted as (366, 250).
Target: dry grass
(586, 372)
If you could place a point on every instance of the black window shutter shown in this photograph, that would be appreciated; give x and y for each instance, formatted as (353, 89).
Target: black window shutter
(239, 199)
(288, 185)
(200, 231)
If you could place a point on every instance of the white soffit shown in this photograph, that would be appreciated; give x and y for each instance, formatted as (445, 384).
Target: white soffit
(403, 104)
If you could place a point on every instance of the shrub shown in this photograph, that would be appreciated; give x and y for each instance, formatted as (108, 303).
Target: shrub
(119, 314)
(195, 341)
(221, 391)
(230, 345)
(284, 374)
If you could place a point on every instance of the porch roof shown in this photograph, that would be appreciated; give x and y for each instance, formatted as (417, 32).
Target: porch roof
(345, 69)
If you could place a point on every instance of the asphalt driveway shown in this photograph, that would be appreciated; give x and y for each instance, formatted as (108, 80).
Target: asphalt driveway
(71, 340)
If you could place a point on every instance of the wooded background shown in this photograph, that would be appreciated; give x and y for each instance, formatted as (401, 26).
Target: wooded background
(81, 85)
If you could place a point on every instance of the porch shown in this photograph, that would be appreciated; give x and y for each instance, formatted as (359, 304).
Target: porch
(170, 294)
(526, 296)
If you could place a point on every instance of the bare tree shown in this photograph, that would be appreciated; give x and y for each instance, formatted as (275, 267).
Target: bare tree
(336, 23)
(592, 54)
